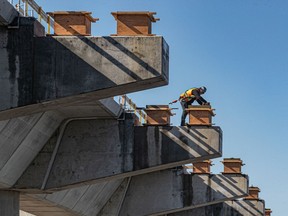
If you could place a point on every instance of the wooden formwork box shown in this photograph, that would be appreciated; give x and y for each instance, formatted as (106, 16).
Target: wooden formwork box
(232, 165)
(200, 115)
(72, 22)
(268, 212)
(253, 193)
(134, 23)
(202, 167)
(158, 114)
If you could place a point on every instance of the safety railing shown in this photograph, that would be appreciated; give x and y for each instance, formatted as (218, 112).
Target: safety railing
(128, 105)
(31, 8)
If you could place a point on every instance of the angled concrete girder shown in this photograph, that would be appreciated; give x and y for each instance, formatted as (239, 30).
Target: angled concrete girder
(85, 200)
(43, 73)
(95, 150)
(22, 138)
(155, 193)
(228, 208)
(166, 192)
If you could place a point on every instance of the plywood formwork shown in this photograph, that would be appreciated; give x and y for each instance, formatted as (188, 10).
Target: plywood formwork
(200, 115)
(72, 22)
(134, 22)
(158, 114)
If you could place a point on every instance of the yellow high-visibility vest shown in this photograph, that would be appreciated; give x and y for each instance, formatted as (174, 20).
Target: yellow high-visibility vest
(187, 95)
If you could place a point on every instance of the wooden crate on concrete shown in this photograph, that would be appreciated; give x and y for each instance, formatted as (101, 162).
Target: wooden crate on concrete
(200, 115)
(232, 165)
(72, 22)
(158, 114)
(134, 23)
(202, 167)
(253, 193)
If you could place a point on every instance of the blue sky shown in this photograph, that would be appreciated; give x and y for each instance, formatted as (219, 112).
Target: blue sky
(238, 49)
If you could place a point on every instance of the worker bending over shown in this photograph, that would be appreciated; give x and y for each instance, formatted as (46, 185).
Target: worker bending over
(188, 97)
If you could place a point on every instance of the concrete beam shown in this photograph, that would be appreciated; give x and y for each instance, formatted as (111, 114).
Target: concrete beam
(95, 150)
(7, 13)
(21, 139)
(167, 192)
(9, 203)
(43, 73)
(228, 208)
(156, 193)
(85, 200)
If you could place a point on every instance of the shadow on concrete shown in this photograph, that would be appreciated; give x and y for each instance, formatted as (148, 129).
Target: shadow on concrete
(176, 192)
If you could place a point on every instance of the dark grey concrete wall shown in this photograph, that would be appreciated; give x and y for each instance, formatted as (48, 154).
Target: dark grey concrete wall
(9, 203)
(16, 58)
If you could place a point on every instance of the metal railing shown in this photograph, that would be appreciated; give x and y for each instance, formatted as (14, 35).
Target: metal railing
(128, 105)
(31, 8)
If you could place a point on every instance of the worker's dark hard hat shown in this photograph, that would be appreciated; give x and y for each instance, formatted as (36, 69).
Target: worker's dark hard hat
(203, 88)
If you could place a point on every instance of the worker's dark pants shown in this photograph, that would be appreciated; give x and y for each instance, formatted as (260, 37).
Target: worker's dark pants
(184, 113)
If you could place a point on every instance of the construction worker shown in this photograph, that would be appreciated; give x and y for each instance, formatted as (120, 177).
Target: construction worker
(188, 97)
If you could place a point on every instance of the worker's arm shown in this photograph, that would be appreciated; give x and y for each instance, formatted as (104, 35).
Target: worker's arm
(198, 97)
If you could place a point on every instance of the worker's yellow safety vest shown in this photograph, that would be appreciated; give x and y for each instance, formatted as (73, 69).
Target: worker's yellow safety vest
(187, 95)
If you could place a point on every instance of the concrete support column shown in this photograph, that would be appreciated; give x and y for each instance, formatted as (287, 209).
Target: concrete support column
(9, 203)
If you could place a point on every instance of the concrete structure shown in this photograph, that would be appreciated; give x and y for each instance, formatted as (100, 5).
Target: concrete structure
(43, 73)
(154, 193)
(250, 205)
(7, 13)
(67, 148)
(228, 208)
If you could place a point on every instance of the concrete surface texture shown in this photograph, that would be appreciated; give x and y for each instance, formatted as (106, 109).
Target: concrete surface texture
(155, 193)
(60, 137)
(9, 203)
(23, 213)
(166, 192)
(95, 149)
(22, 138)
(229, 208)
(42, 73)
(7, 13)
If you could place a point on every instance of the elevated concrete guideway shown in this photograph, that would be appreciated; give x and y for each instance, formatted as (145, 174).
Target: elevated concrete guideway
(66, 150)
(155, 193)
(41, 73)
(91, 151)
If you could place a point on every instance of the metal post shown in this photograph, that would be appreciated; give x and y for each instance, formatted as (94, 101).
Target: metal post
(39, 14)
(25, 7)
(48, 23)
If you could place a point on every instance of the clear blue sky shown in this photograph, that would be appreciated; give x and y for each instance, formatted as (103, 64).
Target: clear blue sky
(238, 49)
